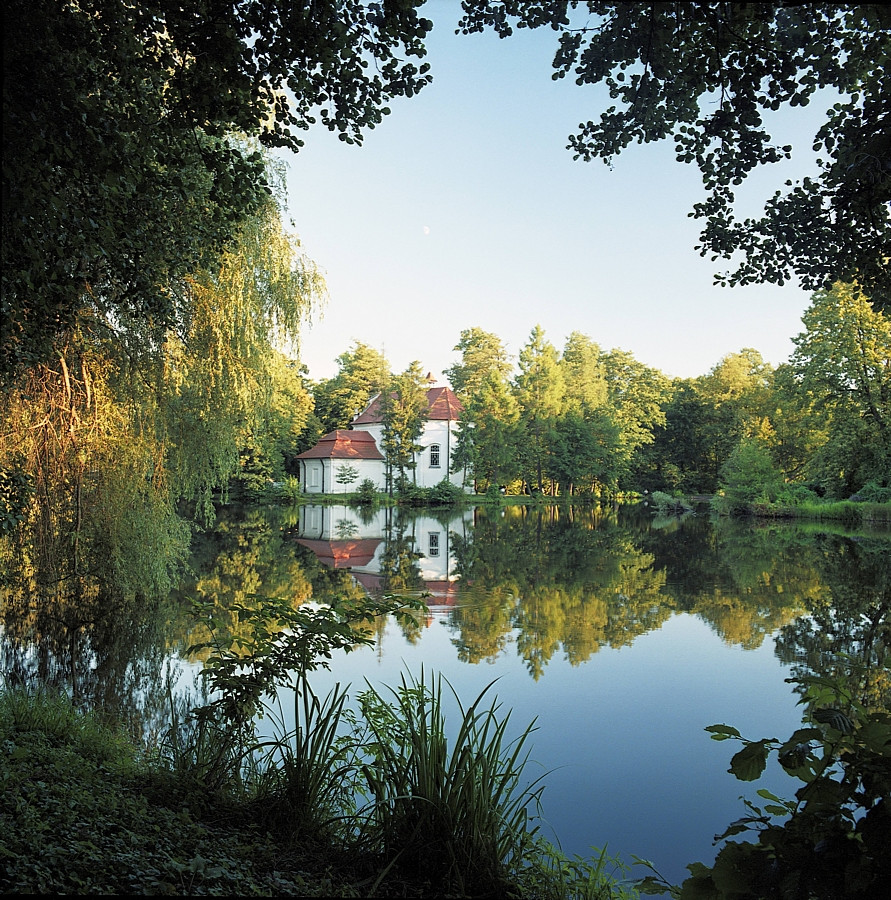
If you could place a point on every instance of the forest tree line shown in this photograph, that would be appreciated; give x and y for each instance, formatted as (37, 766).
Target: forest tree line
(582, 420)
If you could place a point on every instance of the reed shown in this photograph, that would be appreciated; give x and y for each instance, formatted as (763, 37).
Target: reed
(457, 815)
(309, 774)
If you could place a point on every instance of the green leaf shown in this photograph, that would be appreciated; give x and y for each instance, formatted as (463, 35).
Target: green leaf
(836, 719)
(749, 763)
(722, 732)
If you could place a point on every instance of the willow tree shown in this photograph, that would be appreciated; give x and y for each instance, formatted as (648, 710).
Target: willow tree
(111, 435)
(220, 366)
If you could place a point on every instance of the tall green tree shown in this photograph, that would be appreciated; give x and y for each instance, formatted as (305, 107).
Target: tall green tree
(540, 390)
(843, 359)
(362, 372)
(119, 172)
(637, 395)
(708, 76)
(487, 437)
(404, 412)
(483, 355)
(736, 395)
(584, 374)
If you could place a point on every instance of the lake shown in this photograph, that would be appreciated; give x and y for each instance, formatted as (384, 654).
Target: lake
(622, 634)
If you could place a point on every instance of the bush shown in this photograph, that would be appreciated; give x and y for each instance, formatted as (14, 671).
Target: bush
(796, 495)
(871, 492)
(665, 503)
(749, 477)
(445, 493)
(366, 493)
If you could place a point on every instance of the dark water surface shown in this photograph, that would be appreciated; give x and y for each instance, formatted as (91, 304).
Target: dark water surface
(622, 635)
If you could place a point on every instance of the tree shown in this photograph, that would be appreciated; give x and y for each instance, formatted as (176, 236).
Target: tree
(748, 477)
(403, 412)
(708, 75)
(114, 433)
(637, 396)
(736, 397)
(540, 391)
(584, 453)
(488, 434)
(843, 360)
(487, 441)
(362, 373)
(120, 174)
(482, 356)
(584, 374)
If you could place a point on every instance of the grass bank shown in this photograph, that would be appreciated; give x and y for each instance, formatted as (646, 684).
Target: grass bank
(84, 810)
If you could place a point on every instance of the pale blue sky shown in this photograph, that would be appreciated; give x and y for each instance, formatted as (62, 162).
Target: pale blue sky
(464, 208)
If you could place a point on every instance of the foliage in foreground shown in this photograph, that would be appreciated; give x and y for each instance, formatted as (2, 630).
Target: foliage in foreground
(82, 813)
(387, 786)
(832, 839)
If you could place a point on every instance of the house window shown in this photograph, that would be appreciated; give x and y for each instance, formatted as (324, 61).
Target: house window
(434, 456)
(433, 543)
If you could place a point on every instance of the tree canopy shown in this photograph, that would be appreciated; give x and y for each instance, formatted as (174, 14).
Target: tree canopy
(708, 76)
(120, 172)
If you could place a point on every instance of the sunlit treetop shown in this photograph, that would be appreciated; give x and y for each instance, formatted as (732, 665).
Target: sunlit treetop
(707, 76)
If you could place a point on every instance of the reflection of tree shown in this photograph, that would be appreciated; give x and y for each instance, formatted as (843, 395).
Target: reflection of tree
(848, 632)
(243, 556)
(571, 581)
(400, 572)
(745, 581)
(105, 647)
(553, 580)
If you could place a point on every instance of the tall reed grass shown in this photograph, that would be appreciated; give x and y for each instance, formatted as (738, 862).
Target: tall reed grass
(457, 814)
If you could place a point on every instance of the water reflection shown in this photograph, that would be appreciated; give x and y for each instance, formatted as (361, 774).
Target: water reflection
(543, 583)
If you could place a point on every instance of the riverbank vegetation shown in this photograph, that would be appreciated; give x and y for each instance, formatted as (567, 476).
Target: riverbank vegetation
(379, 803)
(153, 301)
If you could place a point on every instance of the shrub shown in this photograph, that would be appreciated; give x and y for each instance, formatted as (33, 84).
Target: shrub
(366, 493)
(871, 492)
(749, 477)
(796, 495)
(445, 493)
(665, 503)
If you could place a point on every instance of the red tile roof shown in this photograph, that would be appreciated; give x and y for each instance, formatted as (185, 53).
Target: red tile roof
(442, 404)
(343, 554)
(343, 444)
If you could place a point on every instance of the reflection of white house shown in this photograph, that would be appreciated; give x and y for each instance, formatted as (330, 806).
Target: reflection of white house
(343, 459)
(343, 537)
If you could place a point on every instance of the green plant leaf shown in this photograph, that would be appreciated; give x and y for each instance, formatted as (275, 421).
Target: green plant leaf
(749, 763)
(836, 719)
(722, 732)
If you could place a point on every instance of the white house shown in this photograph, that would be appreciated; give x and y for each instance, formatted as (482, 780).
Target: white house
(344, 538)
(327, 468)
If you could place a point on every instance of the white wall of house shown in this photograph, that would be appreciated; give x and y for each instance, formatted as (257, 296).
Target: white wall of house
(319, 476)
(438, 439)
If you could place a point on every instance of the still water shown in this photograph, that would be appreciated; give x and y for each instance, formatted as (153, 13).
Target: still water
(620, 634)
